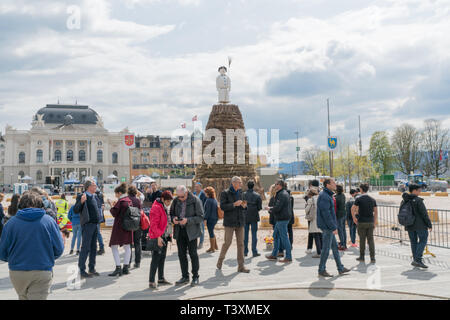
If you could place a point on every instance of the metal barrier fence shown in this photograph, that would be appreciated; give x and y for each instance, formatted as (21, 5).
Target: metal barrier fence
(388, 226)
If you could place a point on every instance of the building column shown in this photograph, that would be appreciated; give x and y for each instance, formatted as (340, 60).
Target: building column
(64, 155)
(50, 148)
(75, 156)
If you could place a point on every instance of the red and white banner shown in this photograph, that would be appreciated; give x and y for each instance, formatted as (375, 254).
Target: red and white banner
(130, 141)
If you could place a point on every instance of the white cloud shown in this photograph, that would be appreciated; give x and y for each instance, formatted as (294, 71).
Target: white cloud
(376, 57)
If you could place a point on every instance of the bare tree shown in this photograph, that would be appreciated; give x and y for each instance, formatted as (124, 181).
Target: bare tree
(316, 161)
(406, 148)
(311, 156)
(435, 140)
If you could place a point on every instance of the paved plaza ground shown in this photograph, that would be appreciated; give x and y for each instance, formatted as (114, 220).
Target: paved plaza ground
(391, 278)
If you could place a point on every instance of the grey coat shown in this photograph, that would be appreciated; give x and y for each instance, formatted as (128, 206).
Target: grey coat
(311, 214)
(194, 215)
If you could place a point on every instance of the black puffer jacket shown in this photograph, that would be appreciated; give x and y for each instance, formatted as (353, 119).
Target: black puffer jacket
(282, 207)
(422, 221)
(233, 217)
(254, 205)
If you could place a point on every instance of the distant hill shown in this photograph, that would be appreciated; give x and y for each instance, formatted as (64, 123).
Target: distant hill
(292, 168)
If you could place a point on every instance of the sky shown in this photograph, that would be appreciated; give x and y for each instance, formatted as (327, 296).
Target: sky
(150, 65)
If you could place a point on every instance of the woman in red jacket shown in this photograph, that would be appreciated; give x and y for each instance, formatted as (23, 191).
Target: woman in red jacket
(120, 237)
(160, 229)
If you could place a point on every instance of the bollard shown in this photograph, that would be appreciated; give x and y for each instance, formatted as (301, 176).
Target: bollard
(434, 216)
(441, 194)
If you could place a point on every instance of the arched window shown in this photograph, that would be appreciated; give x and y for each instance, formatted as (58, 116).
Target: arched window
(99, 156)
(115, 157)
(22, 157)
(21, 174)
(39, 175)
(69, 155)
(81, 155)
(57, 155)
(39, 156)
(115, 173)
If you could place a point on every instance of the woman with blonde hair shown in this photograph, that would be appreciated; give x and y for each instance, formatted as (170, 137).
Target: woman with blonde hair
(211, 217)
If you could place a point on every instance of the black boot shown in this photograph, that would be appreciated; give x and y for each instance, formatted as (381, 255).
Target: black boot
(117, 272)
(125, 269)
(71, 252)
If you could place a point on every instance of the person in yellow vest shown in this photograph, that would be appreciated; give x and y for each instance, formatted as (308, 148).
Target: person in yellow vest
(63, 220)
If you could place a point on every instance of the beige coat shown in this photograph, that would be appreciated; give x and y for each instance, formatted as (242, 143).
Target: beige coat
(311, 214)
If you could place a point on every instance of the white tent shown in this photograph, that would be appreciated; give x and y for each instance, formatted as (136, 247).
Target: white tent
(111, 176)
(144, 179)
(28, 178)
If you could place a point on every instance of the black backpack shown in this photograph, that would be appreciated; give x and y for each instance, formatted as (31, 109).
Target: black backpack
(406, 215)
(132, 219)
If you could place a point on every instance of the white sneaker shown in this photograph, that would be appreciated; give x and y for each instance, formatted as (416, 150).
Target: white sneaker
(309, 251)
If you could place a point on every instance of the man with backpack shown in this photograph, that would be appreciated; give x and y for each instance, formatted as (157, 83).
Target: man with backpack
(414, 216)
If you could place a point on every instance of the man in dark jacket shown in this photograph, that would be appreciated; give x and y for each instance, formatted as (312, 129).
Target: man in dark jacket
(87, 205)
(326, 221)
(254, 205)
(350, 222)
(341, 217)
(233, 206)
(282, 214)
(418, 232)
(101, 205)
(186, 213)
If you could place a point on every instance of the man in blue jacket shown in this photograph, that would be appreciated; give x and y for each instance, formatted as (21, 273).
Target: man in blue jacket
(30, 243)
(326, 221)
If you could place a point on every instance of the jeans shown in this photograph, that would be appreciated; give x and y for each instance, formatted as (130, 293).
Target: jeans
(158, 260)
(280, 236)
(184, 245)
(137, 246)
(352, 229)
(342, 232)
(202, 237)
(329, 241)
(76, 236)
(88, 246)
(100, 239)
(418, 242)
(211, 224)
(365, 231)
(254, 226)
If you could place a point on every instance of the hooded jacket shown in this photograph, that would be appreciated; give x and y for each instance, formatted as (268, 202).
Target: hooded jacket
(422, 221)
(31, 240)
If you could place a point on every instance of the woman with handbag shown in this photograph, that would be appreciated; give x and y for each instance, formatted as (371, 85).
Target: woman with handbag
(119, 236)
(211, 209)
(159, 235)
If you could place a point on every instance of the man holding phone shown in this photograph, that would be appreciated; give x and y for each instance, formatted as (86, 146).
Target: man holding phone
(233, 205)
(89, 226)
(186, 213)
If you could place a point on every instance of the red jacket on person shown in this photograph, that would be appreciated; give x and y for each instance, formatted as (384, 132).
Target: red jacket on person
(158, 220)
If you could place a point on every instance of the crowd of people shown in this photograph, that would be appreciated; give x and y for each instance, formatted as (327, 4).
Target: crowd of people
(151, 219)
